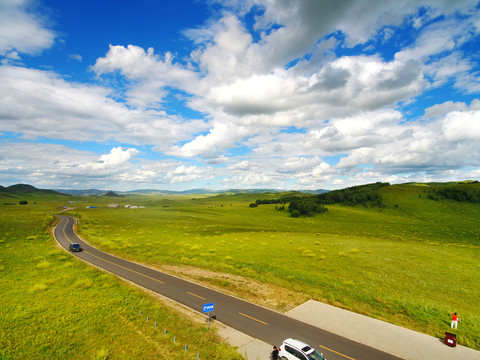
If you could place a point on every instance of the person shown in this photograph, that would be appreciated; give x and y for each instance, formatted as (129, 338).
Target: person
(454, 320)
(275, 353)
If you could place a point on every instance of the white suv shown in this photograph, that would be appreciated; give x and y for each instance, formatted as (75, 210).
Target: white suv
(292, 349)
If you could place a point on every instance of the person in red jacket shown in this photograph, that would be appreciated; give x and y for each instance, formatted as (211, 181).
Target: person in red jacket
(454, 320)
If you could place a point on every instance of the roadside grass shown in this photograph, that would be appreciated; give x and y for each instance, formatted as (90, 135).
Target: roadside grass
(412, 262)
(56, 307)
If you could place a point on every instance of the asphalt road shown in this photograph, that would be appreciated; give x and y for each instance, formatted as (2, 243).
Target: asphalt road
(261, 323)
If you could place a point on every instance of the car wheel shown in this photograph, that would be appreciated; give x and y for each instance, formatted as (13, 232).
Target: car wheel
(284, 358)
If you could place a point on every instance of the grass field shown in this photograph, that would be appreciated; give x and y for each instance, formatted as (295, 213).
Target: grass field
(56, 307)
(412, 262)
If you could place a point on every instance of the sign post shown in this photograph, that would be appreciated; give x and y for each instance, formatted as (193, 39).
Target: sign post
(206, 309)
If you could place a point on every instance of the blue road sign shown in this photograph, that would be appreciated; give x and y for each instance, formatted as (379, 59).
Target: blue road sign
(208, 307)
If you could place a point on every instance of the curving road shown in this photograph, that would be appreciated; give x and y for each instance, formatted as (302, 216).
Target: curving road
(261, 323)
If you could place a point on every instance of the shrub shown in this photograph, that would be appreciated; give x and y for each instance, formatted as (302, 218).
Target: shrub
(362, 194)
(306, 206)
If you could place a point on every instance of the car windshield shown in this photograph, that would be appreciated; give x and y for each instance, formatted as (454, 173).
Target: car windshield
(315, 355)
(75, 245)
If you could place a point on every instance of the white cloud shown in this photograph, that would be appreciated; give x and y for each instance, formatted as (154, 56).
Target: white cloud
(75, 57)
(115, 159)
(242, 166)
(220, 137)
(319, 174)
(59, 166)
(149, 72)
(462, 126)
(38, 103)
(280, 99)
(22, 31)
(48, 165)
(303, 23)
(253, 180)
(451, 141)
(439, 110)
(185, 174)
(437, 49)
(299, 164)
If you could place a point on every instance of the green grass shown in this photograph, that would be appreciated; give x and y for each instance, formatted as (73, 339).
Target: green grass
(412, 262)
(56, 307)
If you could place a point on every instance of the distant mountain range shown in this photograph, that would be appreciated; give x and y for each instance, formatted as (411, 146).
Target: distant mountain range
(180, 192)
(29, 189)
(24, 189)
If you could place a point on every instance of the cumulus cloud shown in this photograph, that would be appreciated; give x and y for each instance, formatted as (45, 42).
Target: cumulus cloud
(39, 103)
(451, 142)
(462, 125)
(185, 174)
(220, 137)
(150, 73)
(116, 158)
(54, 166)
(22, 31)
(48, 165)
(440, 110)
(278, 94)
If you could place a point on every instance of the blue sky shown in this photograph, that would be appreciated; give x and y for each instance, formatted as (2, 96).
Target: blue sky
(212, 94)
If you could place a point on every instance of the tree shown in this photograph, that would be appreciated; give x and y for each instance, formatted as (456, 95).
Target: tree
(295, 214)
(306, 206)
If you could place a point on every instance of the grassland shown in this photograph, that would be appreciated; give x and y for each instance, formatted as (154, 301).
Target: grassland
(412, 262)
(56, 307)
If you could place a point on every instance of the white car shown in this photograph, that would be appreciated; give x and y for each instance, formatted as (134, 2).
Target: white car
(292, 349)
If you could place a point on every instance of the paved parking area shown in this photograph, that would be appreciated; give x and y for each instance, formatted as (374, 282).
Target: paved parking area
(396, 340)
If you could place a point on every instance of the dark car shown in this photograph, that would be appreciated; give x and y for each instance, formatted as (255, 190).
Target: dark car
(74, 247)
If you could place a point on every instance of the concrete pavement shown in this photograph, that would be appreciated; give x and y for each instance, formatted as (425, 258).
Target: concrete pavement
(393, 339)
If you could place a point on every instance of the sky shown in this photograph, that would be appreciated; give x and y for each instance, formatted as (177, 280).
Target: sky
(277, 94)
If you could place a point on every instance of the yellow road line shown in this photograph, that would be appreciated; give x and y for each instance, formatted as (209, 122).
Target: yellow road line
(123, 267)
(196, 295)
(348, 357)
(260, 321)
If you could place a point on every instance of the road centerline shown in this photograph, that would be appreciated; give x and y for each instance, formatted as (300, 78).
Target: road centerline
(110, 262)
(250, 317)
(123, 267)
(198, 296)
(336, 352)
(278, 326)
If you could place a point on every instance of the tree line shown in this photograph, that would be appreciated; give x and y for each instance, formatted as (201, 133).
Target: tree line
(298, 204)
(461, 195)
(361, 194)
(309, 205)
